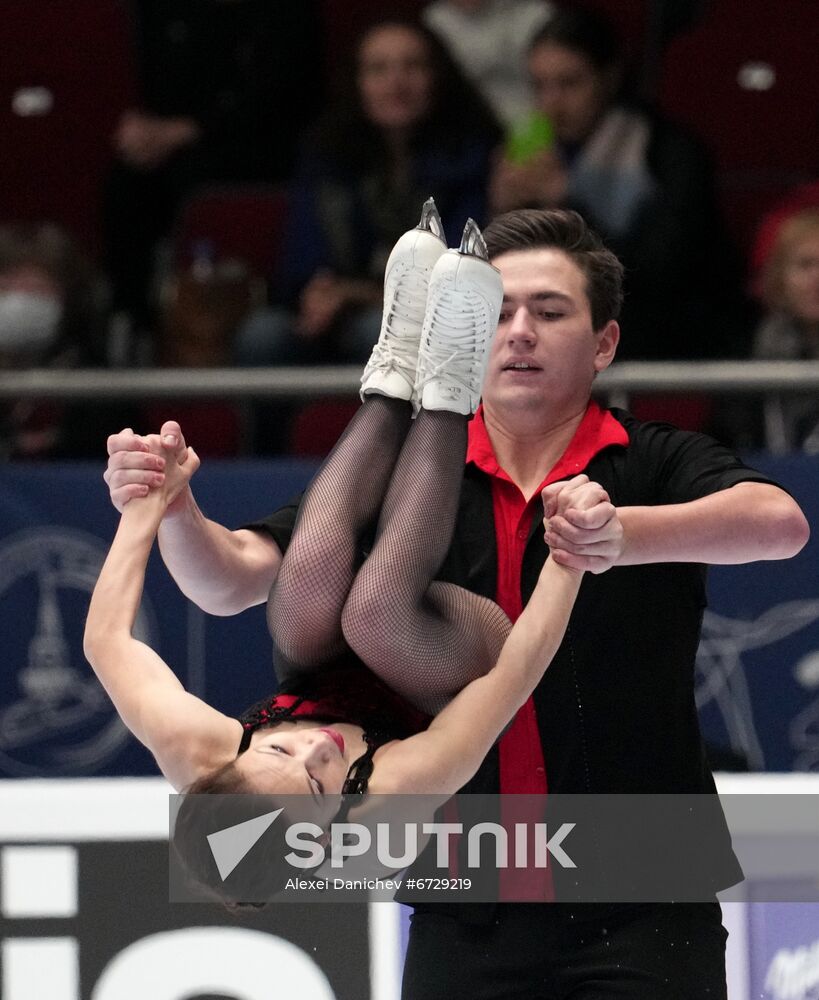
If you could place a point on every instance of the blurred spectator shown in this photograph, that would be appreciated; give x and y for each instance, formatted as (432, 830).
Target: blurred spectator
(802, 197)
(642, 182)
(49, 304)
(50, 316)
(790, 288)
(790, 330)
(490, 39)
(409, 127)
(227, 86)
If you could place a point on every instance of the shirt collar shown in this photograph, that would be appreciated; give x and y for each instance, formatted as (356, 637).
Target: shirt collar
(597, 430)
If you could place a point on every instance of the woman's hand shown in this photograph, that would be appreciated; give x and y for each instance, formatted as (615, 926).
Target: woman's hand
(180, 465)
(582, 528)
(134, 468)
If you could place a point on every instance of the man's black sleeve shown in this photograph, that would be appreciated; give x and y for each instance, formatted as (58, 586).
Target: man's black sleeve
(687, 466)
(278, 525)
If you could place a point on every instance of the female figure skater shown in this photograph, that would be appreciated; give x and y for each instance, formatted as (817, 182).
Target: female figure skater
(433, 648)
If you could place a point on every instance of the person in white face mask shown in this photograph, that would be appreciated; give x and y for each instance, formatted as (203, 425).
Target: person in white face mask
(45, 297)
(29, 321)
(49, 317)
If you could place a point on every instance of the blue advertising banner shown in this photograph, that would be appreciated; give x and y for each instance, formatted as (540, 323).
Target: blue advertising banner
(758, 662)
(758, 667)
(56, 524)
(783, 941)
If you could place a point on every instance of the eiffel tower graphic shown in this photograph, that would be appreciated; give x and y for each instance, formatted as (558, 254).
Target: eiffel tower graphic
(720, 674)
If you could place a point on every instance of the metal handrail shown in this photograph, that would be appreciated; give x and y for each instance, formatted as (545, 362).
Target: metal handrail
(621, 380)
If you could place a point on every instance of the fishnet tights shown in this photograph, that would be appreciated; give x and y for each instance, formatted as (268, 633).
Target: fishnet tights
(425, 639)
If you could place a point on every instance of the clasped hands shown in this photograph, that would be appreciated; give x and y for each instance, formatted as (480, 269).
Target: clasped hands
(139, 465)
(581, 525)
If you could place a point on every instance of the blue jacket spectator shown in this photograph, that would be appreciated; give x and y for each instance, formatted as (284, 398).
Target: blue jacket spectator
(408, 126)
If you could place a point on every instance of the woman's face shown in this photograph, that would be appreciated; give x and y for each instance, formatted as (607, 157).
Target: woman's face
(800, 279)
(394, 77)
(568, 89)
(305, 762)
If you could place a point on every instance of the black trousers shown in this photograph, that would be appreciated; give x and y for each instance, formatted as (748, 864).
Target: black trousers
(640, 951)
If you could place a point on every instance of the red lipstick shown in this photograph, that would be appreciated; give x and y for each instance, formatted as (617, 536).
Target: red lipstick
(336, 737)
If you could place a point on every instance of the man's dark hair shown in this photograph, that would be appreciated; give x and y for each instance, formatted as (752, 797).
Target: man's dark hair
(559, 229)
(587, 32)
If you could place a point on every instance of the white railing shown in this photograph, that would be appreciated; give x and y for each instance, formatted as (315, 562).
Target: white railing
(772, 380)
(621, 380)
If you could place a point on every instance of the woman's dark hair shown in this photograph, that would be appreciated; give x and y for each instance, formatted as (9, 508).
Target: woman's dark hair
(215, 802)
(584, 31)
(559, 229)
(457, 110)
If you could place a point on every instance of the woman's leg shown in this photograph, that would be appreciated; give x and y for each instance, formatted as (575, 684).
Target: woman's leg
(427, 640)
(304, 610)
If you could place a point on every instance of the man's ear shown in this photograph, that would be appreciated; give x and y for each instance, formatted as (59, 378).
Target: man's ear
(607, 340)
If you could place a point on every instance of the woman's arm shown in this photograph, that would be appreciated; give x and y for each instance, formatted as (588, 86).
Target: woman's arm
(185, 735)
(447, 755)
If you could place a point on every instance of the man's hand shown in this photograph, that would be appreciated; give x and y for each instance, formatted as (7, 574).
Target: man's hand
(137, 464)
(581, 525)
(322, 299)
(541, 181)
(146, 141)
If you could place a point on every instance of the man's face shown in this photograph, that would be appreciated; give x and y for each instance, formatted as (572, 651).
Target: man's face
(545, 351)
(568, 90)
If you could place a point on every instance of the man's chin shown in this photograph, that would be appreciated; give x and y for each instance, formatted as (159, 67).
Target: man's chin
(518, 398)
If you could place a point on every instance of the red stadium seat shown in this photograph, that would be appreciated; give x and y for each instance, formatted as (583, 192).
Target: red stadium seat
(690, 413)
(237, 222)
(744, 78)
(66, 75)
(317, 426)
(244, 222)
(213, 428)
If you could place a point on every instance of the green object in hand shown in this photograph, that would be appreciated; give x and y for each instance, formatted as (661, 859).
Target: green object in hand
(528, 138)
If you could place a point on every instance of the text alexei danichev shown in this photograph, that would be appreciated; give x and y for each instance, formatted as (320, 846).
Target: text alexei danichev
(325, 884)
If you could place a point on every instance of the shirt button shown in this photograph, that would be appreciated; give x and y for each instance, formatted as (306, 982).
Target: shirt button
(521, 534)
(540, 770)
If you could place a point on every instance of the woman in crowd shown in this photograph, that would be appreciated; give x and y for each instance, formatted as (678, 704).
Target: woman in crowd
(407, 124)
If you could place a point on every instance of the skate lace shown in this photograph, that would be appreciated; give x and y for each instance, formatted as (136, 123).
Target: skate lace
(397, 346)
(457, 350)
